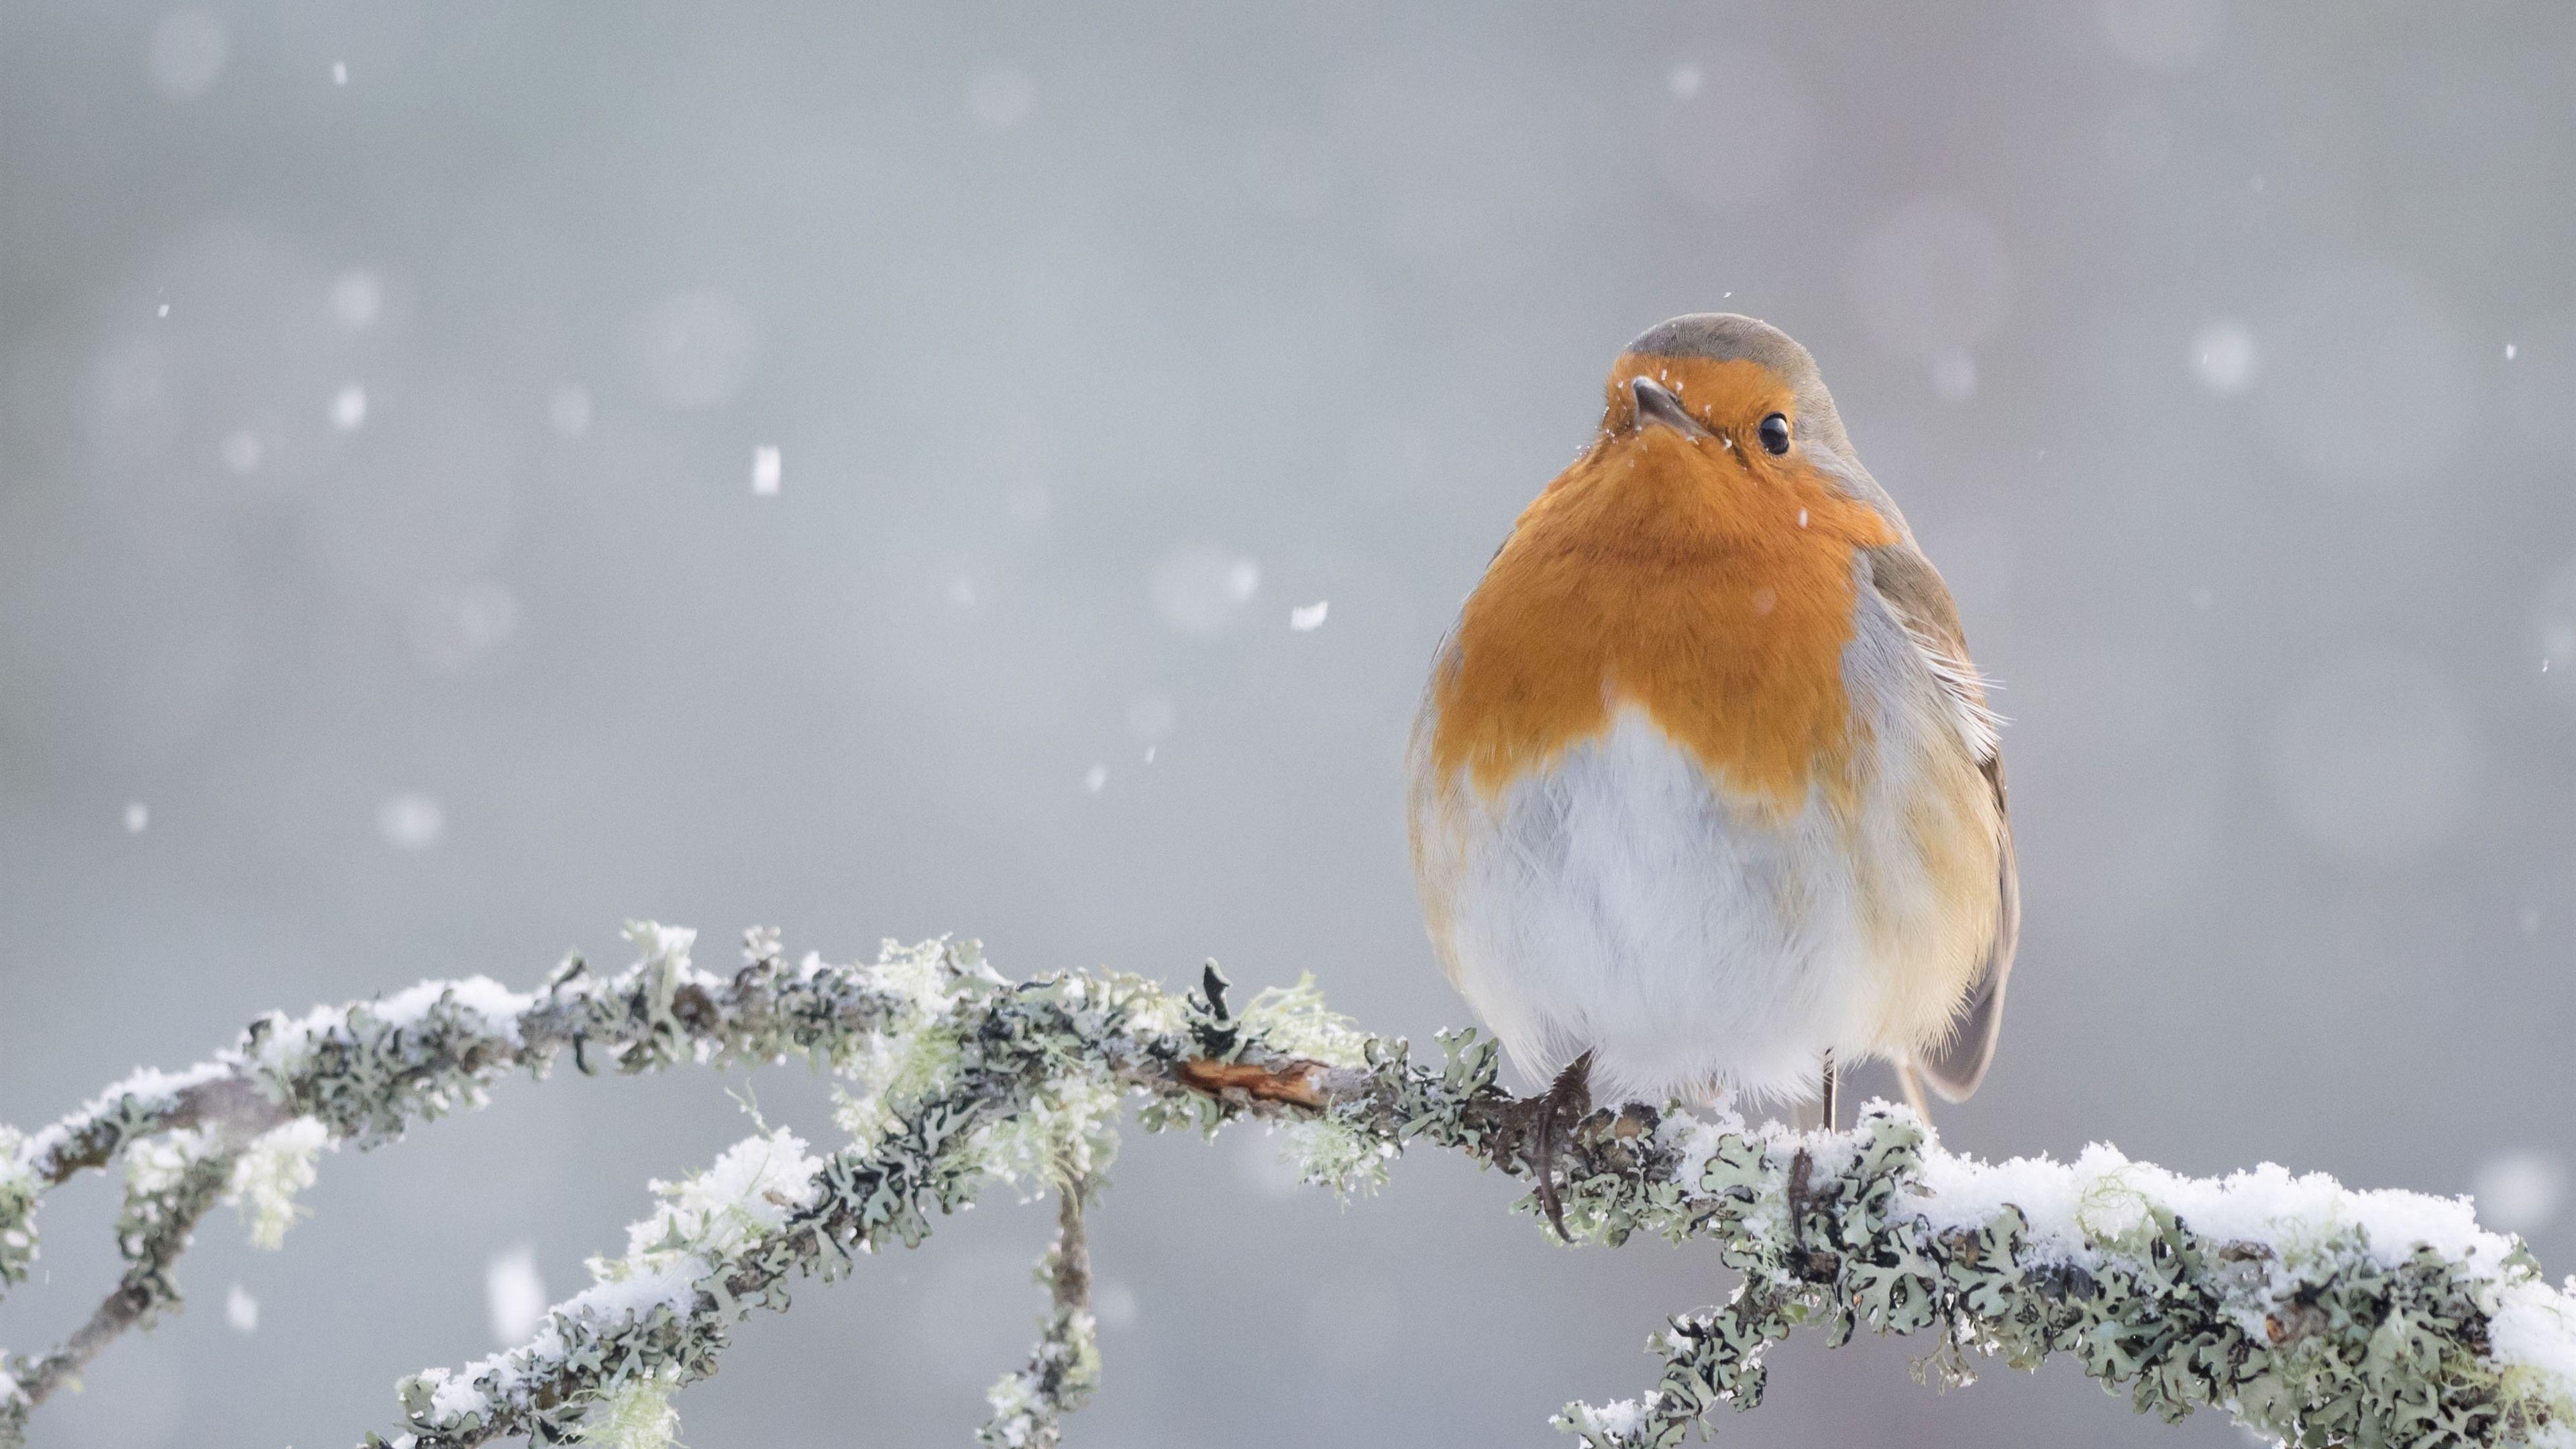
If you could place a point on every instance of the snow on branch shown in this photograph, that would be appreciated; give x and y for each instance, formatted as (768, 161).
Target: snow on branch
(2311, 1313)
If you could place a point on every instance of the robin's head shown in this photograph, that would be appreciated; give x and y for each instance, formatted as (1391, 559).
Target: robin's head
(1734, 381)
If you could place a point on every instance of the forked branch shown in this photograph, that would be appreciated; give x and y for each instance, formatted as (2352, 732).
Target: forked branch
(2309, 1312)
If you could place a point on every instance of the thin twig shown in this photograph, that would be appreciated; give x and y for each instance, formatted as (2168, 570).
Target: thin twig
(142, 1295)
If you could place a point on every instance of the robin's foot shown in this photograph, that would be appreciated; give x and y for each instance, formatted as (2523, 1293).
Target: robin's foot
(1566, 1102)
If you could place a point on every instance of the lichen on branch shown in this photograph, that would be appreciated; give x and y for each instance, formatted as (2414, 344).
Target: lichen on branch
(2309, 1312)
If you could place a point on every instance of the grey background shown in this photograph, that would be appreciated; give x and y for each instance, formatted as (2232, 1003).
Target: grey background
(1094, 342)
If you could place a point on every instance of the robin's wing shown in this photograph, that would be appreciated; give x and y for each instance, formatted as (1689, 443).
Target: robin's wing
(1907, 581)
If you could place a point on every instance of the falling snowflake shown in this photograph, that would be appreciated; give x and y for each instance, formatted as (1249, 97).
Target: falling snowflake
(1113, 1303)
(514, 1295)
(2519, 1192)
(2222, 352)
(411, 822)
(1201, 590)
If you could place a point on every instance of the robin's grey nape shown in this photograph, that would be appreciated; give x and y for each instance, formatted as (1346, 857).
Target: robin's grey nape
(1725, 337)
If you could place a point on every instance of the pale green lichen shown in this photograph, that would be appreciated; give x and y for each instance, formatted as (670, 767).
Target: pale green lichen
(929, 977)
(265, 1179)
(1344, 1156)
(911, 1054)
(1062, 1372)
(2172, 1292)
(636, 1414)
(154, 1166)
(260, 1181)
(1294, 1022)
(1068, 1132)
(2346, 1345)
(19, 1192)
(748, 1191)
(1028, 1406)
(2112, 1208)
(891, 1068)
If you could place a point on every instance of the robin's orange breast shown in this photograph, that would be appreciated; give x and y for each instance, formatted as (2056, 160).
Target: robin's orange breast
(1711, 590)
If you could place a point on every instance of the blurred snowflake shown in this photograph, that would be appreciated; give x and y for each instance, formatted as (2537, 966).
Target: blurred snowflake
(411, 822)
(1201, 590)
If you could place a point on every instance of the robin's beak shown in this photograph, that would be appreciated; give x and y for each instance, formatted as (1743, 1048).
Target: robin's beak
(1656, 405)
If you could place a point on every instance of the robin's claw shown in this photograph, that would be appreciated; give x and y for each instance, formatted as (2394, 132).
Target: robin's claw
(1571, 1092)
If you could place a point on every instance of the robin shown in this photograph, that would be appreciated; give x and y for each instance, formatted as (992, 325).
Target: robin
(1705, 794)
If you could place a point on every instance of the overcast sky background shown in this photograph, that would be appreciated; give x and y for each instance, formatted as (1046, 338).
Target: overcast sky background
(385, 593)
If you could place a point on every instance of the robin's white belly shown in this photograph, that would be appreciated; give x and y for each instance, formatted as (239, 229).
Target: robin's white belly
(1617, 902)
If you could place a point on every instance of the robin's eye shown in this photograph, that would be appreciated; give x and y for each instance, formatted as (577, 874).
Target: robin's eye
(1775, 434)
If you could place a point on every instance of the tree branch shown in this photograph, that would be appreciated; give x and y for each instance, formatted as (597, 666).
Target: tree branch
(2307, 1311)
(1029, 1406)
